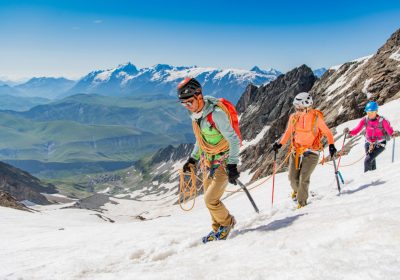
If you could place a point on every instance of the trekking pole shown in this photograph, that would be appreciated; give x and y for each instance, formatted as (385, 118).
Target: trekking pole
(273, 180)
(248, 195)
(394, 144)
(336, 174)
(344, 140)
(339, 173)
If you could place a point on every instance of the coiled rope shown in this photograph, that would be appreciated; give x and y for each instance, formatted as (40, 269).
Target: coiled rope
(210, 149)
(188, 182)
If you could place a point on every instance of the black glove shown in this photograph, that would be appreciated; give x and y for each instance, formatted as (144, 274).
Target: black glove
(186, 166)
(233, 173)
(346, 130)
(276, 146)
(396, 134)
(332, 149)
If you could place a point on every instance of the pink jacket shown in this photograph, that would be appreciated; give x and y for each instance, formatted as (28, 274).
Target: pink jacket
(373, 133)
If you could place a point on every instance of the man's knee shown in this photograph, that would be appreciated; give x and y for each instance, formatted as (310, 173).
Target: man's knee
(211, 201)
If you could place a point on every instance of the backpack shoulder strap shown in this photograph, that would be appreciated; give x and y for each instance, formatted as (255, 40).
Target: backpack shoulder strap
(380, 125)
(317, 114)
(210, 120)
(386, 135)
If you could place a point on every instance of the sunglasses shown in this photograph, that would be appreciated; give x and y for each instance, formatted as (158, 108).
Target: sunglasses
(187, 103)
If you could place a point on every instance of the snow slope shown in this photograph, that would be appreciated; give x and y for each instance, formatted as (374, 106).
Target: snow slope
(352, 236)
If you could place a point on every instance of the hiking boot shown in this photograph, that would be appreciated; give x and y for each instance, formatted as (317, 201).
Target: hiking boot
(301, 205)
(294, 195)
(223, 231)
(210, 237)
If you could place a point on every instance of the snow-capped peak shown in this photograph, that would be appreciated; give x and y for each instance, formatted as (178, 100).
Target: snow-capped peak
(268, 71)
(127, 67)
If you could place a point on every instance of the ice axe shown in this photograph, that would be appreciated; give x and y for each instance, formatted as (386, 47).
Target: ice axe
(248, 195)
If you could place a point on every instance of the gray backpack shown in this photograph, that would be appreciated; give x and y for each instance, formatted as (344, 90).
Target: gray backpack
(386, 136)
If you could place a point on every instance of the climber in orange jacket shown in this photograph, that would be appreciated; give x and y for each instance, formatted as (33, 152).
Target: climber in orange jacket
(305, 129)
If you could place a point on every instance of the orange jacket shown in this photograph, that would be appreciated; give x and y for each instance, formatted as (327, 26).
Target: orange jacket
(304, 123)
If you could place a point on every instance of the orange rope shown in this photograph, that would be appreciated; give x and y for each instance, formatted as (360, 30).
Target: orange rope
(265, 180)
(187, 189)
(350, 164)
(208, 148)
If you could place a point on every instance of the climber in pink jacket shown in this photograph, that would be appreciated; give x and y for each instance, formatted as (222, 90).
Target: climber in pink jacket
(377, 131)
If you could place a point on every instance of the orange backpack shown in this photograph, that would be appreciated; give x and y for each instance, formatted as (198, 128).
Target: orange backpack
(233, 116)
(316, 145)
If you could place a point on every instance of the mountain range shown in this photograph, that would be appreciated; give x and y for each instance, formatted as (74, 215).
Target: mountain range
(128, 80)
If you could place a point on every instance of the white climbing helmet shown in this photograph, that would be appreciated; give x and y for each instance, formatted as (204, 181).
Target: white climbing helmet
(303, 99)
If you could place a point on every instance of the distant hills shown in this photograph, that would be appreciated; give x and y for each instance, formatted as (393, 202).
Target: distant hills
(92, 128)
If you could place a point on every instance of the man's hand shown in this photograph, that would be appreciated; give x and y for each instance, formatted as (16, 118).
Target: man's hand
(332, 149)
(189, 162)
(233, 173)
(276, 146)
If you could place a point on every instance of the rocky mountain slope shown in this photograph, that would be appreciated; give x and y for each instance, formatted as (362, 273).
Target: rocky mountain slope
(6, 200)
(23, 186)
(342, 94)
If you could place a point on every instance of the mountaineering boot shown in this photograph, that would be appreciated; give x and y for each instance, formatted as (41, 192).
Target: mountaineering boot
(300, 205)
(294, 196)
(209, 237)
(223, 231)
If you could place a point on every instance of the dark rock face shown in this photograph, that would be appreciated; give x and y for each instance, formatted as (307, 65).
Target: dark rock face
(171, 153)
(270, 105)
(23, 186)
(274, 100)
(6, 200)
(246, 99)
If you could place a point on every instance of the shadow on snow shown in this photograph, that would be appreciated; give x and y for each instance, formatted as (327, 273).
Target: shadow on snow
(373, 183)
(275, 225)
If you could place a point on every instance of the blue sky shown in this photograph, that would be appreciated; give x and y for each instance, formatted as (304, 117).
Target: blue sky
(72, 38)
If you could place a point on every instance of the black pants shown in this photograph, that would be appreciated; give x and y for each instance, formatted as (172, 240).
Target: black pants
(370, 162)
